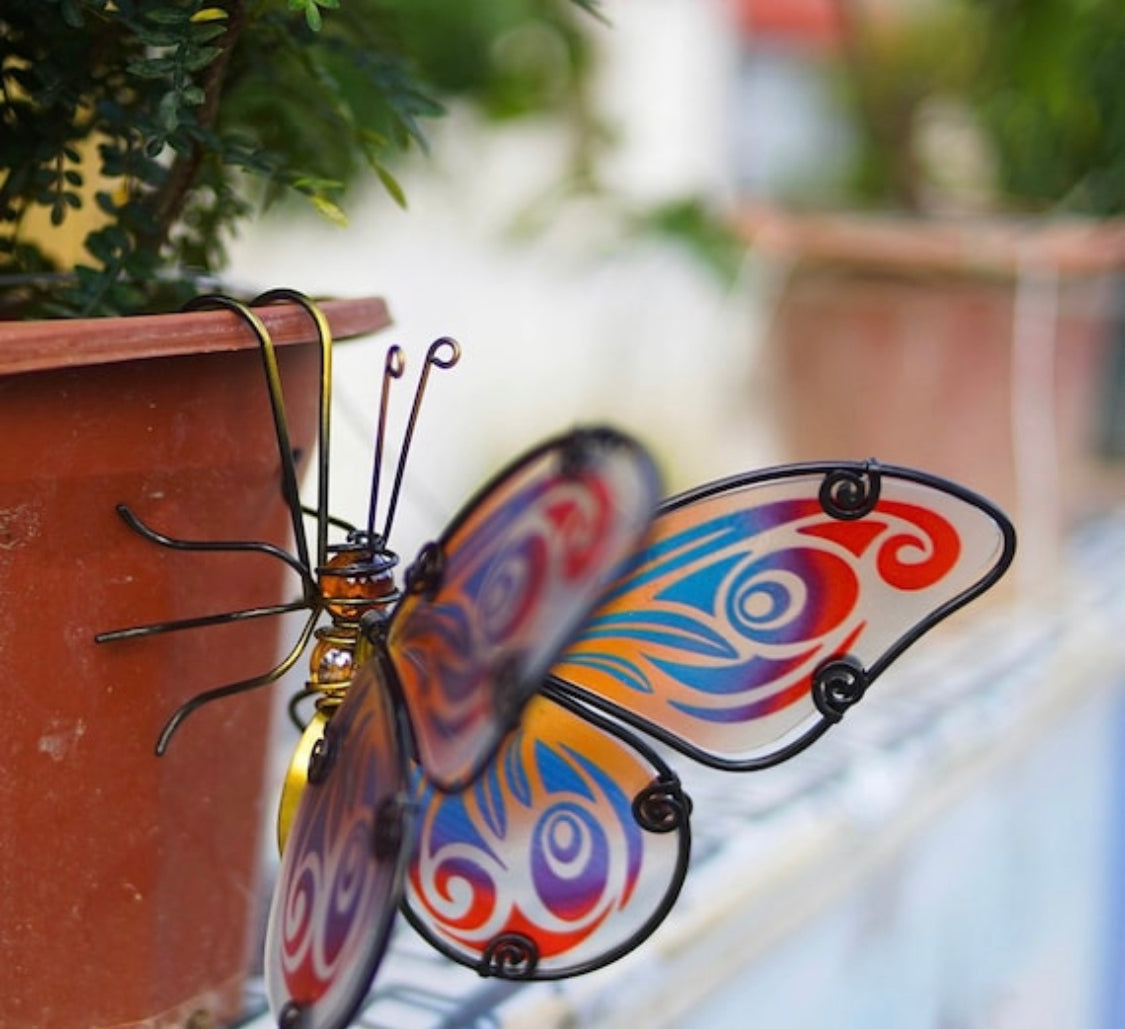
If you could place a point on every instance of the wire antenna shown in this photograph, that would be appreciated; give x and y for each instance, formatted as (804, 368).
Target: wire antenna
(393, 367)
(443, 353)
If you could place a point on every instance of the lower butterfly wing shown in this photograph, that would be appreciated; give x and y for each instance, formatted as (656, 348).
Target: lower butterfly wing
(345, 858)
(763, 606)
(490, 605)
(565, 854)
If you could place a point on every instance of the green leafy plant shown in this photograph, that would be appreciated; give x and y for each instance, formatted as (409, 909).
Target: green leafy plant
(172, 122)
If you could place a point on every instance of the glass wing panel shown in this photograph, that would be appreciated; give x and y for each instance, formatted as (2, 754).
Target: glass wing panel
(342, 871)
(565, 854)
(761, 607)
(489, 607)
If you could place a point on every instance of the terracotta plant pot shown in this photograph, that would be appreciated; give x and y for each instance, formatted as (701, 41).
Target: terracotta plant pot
(127, 881)
(972, 350)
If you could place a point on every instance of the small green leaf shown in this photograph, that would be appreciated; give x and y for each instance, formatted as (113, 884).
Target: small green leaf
(71, 13)
(330, 209)
(151, 67)
(105, 202)
(167, 16)
(370, 140)
(201, 57)
(207, 14)
(99, 248)
(168, 112)
(205, 33)
(391, 185)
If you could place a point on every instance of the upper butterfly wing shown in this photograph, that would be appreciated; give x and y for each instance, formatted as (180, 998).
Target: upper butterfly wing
(566, 853)
(761, 607)
(342, 871)
(489, 606)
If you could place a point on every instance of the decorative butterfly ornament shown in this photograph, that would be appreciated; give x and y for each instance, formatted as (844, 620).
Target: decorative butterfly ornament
(474, 753)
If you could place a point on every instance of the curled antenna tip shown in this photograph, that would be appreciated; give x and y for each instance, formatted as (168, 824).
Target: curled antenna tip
(444, 352)
(395, 362)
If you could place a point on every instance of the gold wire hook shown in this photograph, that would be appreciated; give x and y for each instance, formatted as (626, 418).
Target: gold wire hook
(266, 347)
(324, 339)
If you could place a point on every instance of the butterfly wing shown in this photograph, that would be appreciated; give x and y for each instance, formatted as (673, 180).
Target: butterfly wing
(489, 606)
(565, 854)
(761, 607)
(342, 871)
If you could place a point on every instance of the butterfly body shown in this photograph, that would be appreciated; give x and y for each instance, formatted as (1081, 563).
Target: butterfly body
(356, 583)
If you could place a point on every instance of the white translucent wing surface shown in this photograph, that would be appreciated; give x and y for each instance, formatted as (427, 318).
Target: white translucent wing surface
(761, 607)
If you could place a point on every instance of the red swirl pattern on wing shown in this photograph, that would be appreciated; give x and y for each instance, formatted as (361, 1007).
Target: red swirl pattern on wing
(940, 547)
(917, 547)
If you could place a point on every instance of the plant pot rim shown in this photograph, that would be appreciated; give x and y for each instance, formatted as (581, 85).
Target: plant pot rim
(32, 346)
(982, 246)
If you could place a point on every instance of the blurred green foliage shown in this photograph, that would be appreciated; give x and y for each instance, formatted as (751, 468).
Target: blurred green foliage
(1039, 84)
(510, 57)
(1050, 92)
(201, 110)
(692, 223)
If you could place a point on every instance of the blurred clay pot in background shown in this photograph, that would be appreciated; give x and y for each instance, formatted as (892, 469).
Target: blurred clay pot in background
(971, 349)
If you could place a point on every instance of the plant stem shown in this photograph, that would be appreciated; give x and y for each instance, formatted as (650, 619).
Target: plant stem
(182, 175)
